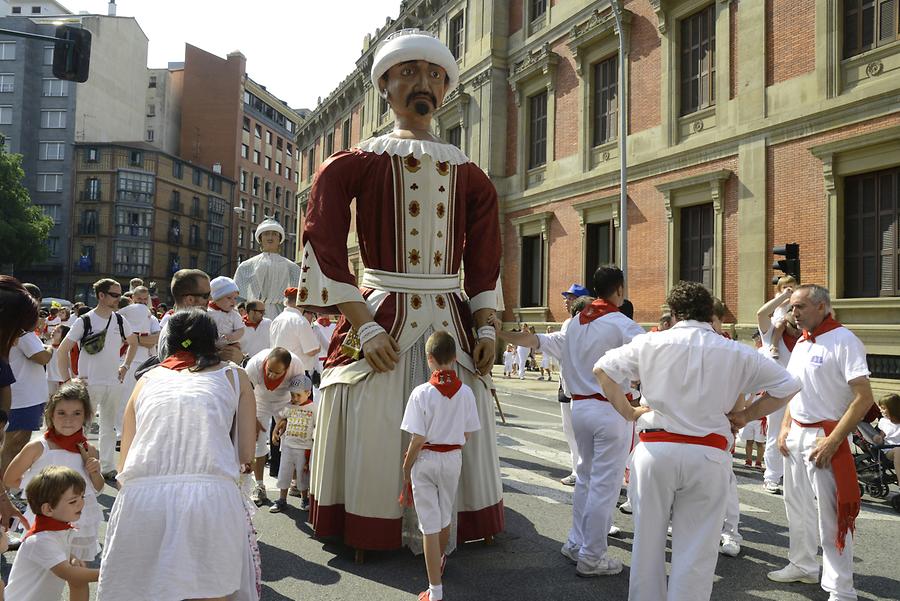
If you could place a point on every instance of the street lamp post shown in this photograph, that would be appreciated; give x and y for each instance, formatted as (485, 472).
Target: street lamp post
(623, 134)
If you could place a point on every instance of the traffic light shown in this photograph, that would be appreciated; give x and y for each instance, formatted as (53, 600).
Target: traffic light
(790, 264)
(72, 53)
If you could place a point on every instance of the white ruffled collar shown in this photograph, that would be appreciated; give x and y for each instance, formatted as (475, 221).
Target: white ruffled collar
(439, 152)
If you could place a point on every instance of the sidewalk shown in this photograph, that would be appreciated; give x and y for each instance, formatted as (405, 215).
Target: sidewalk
(530, 386)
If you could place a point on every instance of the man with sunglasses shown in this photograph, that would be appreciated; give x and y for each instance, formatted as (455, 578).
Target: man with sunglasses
(102, 371)
(257, 327)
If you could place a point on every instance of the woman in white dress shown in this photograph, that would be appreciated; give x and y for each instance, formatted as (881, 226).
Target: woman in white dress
(179, 528)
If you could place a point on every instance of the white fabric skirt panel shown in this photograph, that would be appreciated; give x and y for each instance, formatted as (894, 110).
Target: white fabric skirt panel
(173, 538)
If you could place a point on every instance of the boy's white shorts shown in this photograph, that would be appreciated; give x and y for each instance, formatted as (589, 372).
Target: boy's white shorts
(753, 431)
(292, 459)
(435, 478)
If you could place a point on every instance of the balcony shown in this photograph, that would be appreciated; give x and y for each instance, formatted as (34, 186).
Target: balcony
(90, 196)
(89, 228)
(176, 206)
(131, 269)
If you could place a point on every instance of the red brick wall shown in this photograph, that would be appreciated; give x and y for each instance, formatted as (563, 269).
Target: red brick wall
(516, 8)
(568, 97)
(512, 131)
(644, 68)
(790, 39)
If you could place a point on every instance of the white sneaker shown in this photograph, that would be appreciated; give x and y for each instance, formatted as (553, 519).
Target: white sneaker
(259, 496)
(570, 553)
(568, 480)
(791, 573)
(614, 530)
(626, 507)
(771, 487)
(730, 547)
(605, 567)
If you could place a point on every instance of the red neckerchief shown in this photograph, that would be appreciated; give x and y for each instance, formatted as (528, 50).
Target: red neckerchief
(828, 324)
(68, 443)
(73, 360)
(214, 306)
(324, 321)
(250, 324)
(43, 523)
(446, 381)
(271, 384)
(595, 310)
(789, 341)
(180, 360)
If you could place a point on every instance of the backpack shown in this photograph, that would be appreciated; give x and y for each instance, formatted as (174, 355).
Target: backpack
(94, 343)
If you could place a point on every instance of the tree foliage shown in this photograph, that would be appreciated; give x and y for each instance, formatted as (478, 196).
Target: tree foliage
(23, 226)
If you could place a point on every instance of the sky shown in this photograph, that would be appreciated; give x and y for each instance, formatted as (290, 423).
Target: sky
(299, 49)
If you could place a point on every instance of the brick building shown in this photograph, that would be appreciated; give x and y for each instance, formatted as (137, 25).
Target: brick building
(750, 124)
(141, 212)
(227, 119)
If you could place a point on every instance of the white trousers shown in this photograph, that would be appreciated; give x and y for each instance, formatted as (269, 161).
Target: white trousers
(733, 510)
(810, 501)
(292, 459)
(523, 353)
(774, 459)
(603, 437)
(690, 482)
(565, 410)
(106, 398)
(435, 479)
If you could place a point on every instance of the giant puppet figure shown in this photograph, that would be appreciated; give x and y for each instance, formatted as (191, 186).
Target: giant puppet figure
(265, 276)
(422, 210)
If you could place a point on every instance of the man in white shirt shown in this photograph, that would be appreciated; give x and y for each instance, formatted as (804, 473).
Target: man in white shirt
(291, 330)
(257, 329)
(821, 494)
(690, 377)
(102, 371)
(27, 359)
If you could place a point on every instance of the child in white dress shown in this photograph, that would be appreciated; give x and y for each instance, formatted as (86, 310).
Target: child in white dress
(54, 376)
(509, 360)
(64, 444)
(224, 295)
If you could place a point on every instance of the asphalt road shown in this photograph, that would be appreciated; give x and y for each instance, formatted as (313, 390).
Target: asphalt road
(524, 562)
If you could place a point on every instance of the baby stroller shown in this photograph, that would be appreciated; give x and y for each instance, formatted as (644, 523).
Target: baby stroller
(874, 470)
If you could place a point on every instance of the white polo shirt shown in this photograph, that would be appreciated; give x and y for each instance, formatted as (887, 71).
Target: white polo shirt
(691, 376)
(30, 387)
(101, 369)
(282, 394)
(258, 338)
(439, 419)
(825, 367)
(578, 346)
(292, 331)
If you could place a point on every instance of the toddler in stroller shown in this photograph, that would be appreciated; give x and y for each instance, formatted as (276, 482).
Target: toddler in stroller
(878, 465)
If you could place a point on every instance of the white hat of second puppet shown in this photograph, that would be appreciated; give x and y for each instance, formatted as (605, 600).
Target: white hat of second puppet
(414, 45)
(269, 225)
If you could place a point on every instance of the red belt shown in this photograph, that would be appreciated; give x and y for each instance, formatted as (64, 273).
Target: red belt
(597, 396)
(441, 448)
(710, 440)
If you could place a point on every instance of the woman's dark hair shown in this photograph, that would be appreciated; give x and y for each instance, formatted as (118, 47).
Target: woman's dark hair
(607, 280)
(690, 300)
(18, 312)
(194, 331)
(580, 303)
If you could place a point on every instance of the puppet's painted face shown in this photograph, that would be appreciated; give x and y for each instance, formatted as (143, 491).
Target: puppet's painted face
(416, 87)
(270, 241)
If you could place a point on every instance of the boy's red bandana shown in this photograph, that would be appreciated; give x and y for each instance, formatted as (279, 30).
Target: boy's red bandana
(214, 306)
(446, 381)
(828, 324)
(595, 310)
(68, 443)
(180, 360)
(43, 523)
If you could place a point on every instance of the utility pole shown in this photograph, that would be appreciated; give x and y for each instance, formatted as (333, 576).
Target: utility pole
(622, 90)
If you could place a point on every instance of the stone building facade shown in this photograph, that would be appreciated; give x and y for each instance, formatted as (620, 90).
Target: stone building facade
(750, 124)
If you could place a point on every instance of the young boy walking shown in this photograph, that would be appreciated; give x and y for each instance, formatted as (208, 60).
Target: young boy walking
(440, 416)
(294, 433)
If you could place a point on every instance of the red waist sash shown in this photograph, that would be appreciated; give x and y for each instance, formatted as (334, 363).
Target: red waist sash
(440, 448)
(844, 468)
(710, 440)
(597, 396)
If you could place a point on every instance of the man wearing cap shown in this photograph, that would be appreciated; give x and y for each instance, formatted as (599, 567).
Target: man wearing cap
(265, 276)
(422, 209)
(565, 399)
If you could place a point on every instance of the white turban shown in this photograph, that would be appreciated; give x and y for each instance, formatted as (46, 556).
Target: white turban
(414, 45)
(269, 225)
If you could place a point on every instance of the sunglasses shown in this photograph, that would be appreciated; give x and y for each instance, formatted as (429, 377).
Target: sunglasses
(113, 294)
(256, 310)
(204, 296)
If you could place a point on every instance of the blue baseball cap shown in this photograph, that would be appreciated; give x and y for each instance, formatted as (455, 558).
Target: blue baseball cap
(577, 290)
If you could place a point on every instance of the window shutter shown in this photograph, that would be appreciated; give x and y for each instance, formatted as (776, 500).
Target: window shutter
(887, 228)
(887, 21)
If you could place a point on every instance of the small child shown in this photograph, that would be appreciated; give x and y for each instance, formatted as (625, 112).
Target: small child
(64, 444)
(294, 433)
(45, 560)
(54, 376)
(889, 424)
(509, 360)
(440, 415)
(754, 432)
(224, 294)
(782, 318)
(547, 362)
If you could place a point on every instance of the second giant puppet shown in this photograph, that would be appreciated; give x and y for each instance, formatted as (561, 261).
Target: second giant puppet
(423, 209)
(265, 276)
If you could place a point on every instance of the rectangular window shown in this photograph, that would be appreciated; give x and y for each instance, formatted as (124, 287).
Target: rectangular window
(457, 35)
(54, 212)
(177, 169)
(92, 189)
(133, 222)
(268, 137)
(310, 162)
(136, 158)
(599, 246)
(150, 135)
(872, 234)
(176, 201)
(532, 271)
(869, 23)
(538, 8)
(697, 244)
(151, 110)
(328, 148)
(152, 83)
(254, 213)
(537, 130)
(6, 115)
(268, 163)
(48, 56)
(382, 107)
(135, 187)
(49, 182)
(257, 131)
(92, 155)
(52, 151)
(53, 246)
(256, 157)
(213, 263)
(54, 87)
(53, 119)
(7, 82)
(287, 173)
(277, 168)
(7, 51)
(17, 10)
(195, 207)
(243, 181)
(132, 258)
(698, 65)
(35, 10)
(605, 100)
(197, 177)
(88, 225)
(345, 135)
(194, 235)
(245, 151)
(454, 136)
